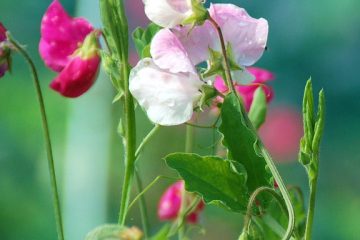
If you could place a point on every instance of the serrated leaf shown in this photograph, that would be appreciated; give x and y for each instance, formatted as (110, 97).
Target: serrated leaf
(114, 232)
(258, 109)
(213, 178)
(240, 140)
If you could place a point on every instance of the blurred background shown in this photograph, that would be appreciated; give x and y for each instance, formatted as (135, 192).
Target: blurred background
(307, 38)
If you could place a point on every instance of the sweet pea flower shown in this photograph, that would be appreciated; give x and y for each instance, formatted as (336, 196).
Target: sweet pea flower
(167, 85)
(247, 92)
(170, 204)
(168, 13)
(4, 51)
(69, 46)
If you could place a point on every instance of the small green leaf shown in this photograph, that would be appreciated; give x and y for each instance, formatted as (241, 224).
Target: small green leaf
(320, 122)
(200, 14)
(112, 68)
(240, 140)
(258, 109)
(207, 93)
(142, 39)
(114, 232)
(213, 178)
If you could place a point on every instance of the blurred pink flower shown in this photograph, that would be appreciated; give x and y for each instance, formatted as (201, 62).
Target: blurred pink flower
(62, 47)
(170, 204)
(247, 91)
(281, 133)
(4, 51)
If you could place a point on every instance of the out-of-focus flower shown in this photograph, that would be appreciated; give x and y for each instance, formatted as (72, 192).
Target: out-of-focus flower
(170, 204)
(4, 51)
(247, 91)
(166, 86)
(281, 133)
(64, 49)
(168, 13)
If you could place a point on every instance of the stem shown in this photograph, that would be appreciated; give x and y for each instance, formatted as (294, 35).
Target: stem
(311, 210)
(146, 140)
(129, 112)
(143, 209)
(265, 153)
(51, 165)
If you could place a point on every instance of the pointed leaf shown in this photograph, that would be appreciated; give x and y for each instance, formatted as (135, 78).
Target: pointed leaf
(217, 180)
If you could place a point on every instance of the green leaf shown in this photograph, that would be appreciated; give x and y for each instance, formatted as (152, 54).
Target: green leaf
(217, 180)
(114, 232)
(112, 67)
(320, 122)
(207, 94)
(142, 38)
(258, 109)
(240, 141)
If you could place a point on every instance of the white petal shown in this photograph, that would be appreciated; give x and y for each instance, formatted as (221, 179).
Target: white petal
(247, 35)
(168, 98)
(169, 53)
(167, 13)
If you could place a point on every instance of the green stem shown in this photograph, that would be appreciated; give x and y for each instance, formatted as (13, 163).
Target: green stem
(50, 157)
(146, 140)
(143, 209)
(311, 209)
(262, 149)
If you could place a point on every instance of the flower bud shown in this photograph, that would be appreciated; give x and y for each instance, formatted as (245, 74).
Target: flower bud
(4, 51)
(81, 71)
(170, 204)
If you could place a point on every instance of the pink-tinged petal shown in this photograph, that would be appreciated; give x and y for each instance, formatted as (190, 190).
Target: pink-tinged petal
(220, 85)
(170, 204)
(281, 133)
(3, 69)
(168, 53)
(261, 75)
(77, 77)
(247, 35)
(61, 35)
(196, 41)
(2, 33)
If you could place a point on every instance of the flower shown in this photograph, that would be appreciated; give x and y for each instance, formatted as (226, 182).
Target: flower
(64, 49)
(168, 13)
(170, 204)
(261, 76)
(4, 51)
(167, 85)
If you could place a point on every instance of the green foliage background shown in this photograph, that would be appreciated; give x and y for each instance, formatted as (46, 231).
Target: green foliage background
(318, 38)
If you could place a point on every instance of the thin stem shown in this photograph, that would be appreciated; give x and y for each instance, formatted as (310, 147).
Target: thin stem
(50, 157)
(142, 203)
(146, 140)
(265, 153)
(129, 112)
(311, 209)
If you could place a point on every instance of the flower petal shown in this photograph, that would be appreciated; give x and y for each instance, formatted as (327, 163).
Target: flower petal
(166, 97)
(77, 77)
(61, 35)
(168, 53)
(247, 35)
(167, 13)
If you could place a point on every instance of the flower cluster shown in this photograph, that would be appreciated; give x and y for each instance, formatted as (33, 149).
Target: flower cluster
(168, 85)
(69, 46)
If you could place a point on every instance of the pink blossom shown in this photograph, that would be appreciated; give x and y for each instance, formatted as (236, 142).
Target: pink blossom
(61, 35)
(281, 133)
(69, 46)
(170, 204)
(4, 51)
(247, 91)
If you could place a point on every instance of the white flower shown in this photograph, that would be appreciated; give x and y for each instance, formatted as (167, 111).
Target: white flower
(168, 98)
(168, 13)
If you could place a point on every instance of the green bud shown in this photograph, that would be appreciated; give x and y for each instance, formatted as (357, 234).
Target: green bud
(258, 109)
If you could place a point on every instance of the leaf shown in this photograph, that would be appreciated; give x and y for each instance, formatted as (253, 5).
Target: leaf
(142, 38)
(240, 141)
(320, 122)
(217, 180)
(114, 232)
(257, 113)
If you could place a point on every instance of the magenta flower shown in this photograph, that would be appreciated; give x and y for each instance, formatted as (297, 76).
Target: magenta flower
(170, 203)
(69, 46)
(4, 51)
(261, 76)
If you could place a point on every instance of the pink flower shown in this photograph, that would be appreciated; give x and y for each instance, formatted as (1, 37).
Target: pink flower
(247, 91)
(170, 204)
(69, 46)
(4, 51)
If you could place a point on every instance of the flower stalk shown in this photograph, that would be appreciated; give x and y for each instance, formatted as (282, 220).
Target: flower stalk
(49, 151)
